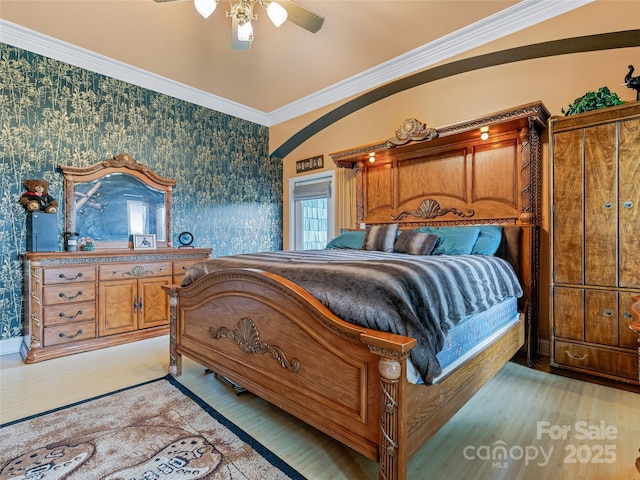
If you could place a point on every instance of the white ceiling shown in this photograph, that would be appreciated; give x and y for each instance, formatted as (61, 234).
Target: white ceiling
(170, 48)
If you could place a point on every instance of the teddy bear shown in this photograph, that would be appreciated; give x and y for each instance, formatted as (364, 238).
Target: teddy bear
(37, 198)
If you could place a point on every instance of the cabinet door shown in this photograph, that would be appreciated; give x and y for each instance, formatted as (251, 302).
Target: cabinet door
(601, 317)
(153, 302)
(568, 313)
(567, 206)
(628, 339)
(629, 203)
(600, 206)
(117, 307)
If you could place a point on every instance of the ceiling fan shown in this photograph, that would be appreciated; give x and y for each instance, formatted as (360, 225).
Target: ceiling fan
(241, 14)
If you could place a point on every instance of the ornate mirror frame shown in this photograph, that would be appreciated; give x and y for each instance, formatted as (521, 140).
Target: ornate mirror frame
(122, 164)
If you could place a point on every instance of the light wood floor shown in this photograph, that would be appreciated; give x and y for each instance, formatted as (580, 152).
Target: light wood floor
(505, 413)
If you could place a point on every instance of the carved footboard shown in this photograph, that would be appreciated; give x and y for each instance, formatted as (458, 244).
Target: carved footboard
(279, 342)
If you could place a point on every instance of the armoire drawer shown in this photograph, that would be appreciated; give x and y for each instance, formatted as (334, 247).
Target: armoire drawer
(70, 332)
(612, 362)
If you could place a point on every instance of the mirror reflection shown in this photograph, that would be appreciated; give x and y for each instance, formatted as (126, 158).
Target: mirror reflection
(118, 205)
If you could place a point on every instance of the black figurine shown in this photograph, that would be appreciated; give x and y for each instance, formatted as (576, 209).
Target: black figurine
(633, 82)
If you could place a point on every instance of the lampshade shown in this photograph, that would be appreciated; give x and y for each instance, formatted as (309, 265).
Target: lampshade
(205, 7)
(245, 32)
(277, 13)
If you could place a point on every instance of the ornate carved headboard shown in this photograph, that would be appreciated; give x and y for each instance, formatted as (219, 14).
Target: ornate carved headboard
(452, 176)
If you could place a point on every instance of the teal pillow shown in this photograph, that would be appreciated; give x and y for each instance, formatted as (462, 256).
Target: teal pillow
(352, 239)
(453, 240)
(488, 240)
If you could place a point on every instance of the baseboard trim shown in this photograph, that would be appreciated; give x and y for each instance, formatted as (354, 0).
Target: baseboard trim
(10, 345)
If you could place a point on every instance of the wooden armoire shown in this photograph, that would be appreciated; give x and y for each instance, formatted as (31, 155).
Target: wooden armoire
(595, 244)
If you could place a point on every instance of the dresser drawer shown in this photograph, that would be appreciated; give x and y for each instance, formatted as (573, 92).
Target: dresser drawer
(615, 363)
(80, 273)
(61, 294)
(134, 270)
(71, 332)
(74, 312)
(181, 267)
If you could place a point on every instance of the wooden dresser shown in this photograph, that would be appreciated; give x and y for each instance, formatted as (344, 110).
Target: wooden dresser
(595, 246)
(80, 301)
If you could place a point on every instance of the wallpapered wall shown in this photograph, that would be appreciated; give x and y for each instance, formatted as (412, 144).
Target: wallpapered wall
(228, 191)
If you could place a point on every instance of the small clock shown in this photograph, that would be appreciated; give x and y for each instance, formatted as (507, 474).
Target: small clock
(185, 239)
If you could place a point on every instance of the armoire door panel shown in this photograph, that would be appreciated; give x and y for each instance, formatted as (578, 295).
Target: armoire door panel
(629, 203)
(568, 313)
(600, 205)
(601, 317)
(627, 338)
(567, 216)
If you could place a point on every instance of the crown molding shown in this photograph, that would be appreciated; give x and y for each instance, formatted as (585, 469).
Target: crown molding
(510, 20)
(522, 15)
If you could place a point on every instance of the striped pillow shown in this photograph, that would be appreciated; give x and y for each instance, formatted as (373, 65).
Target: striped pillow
(416, 243)
(380, 237)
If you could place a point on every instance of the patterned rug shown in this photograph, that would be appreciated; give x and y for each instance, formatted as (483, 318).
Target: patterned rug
(158, 430)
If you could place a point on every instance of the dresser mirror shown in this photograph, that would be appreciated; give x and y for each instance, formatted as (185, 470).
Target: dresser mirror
(115, 199)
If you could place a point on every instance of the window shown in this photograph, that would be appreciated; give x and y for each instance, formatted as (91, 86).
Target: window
(312, 211)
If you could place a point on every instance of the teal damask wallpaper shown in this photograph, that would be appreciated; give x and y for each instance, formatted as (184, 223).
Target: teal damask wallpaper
(228, 191)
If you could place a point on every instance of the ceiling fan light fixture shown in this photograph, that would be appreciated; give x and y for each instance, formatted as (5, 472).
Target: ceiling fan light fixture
(276, 12)
(205, 7)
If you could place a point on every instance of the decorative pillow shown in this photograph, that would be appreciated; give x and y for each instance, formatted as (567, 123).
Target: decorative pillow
(380, 237)
(488, 240)
(453, 240)
(416, 243)
(352, 239)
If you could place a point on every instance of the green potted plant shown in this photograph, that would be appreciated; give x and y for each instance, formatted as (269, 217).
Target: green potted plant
(603, 98)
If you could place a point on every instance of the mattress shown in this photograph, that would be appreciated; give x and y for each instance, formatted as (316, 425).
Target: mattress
(470, 336)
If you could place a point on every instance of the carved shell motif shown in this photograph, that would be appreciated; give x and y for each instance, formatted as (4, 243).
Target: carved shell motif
(412, 130)
(430, 208)
(247, 337)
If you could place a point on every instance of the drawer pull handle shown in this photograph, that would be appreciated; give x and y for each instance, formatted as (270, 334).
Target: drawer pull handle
(627, 204)
(608, 205)
(627, 316)
(64, 315)
(137, 304)
(64, 295)
(62, 275)
(63, 335)
(575, 357)
(608, 313)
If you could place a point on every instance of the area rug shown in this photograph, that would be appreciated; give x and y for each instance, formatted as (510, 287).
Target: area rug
(158, 430)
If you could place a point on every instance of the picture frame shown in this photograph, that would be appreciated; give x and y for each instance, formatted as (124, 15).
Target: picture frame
(312, 163)
(145, 241)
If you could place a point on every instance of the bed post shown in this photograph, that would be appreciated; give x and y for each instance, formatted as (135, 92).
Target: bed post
(175, 359)
(392, 464)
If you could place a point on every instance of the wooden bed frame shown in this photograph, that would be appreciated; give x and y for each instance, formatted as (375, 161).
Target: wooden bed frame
(277, 341)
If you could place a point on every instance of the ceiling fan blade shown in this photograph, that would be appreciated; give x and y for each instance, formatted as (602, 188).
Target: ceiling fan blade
(302, 17)
(235, 43)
